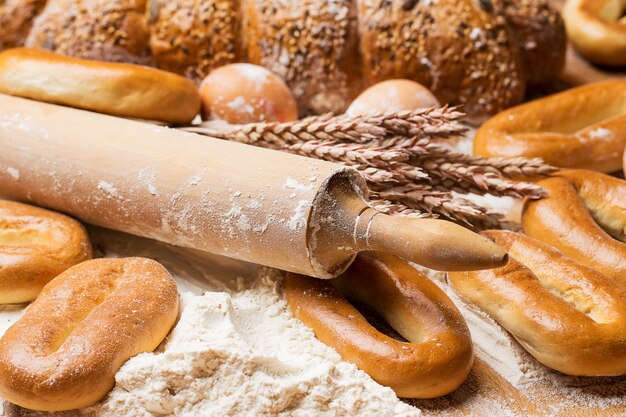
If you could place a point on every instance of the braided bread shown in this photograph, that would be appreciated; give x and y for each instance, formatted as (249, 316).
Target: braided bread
(480, 54)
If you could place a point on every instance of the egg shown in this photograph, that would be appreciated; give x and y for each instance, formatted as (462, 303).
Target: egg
(246, 93)
(392, 96)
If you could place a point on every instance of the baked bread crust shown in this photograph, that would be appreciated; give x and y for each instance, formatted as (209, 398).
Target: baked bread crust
(64, 352)
(16, 19)
(438, 355)
(105, 30)
(113, 88)
(36, 245)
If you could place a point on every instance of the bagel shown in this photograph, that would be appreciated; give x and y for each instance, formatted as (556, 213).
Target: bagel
(584, 128)
(439, 355)
(125, 90)
(597, 29)
(36, 245)
(64, 352)
(568, 316)
(583, 216)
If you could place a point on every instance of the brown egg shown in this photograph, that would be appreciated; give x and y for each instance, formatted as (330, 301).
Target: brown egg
(392, 96)
(246, 93)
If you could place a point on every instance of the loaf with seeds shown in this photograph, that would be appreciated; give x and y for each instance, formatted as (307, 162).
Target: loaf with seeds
(477, 53)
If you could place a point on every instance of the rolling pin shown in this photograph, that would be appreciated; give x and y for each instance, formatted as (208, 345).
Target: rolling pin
(258, 205)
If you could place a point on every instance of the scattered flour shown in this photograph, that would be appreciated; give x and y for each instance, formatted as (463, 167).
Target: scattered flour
(107, 187)
(236, 350)
(14, 173)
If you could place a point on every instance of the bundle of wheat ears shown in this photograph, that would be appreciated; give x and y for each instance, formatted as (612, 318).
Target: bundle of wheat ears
(406, 158)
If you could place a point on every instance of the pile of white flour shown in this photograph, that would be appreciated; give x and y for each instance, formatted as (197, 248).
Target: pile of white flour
(236, 350)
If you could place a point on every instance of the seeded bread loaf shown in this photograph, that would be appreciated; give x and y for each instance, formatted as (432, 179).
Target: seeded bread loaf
(107, 30)
(477, 53)
(16, 19)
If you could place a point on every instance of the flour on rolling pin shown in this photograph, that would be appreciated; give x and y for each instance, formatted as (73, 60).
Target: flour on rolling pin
(263, 206)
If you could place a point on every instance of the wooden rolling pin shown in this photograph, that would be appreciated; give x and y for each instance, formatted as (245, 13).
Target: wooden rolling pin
(258, 205)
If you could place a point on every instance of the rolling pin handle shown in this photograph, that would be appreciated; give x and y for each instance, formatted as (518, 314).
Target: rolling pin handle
(436, 244)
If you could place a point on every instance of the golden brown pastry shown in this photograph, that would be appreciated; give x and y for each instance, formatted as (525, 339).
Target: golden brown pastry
(568, 316)
(16, 19)
(597, 29)
(105, 30)
(584, 127)
(36, 245)
(64, 352)
(583, 216)
(438, 355)
(105, 87)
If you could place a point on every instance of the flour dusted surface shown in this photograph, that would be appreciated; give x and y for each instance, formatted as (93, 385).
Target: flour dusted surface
(235, 351)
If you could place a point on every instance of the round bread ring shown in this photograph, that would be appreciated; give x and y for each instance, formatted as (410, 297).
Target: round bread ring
(36, 245)
(597, 29)
(584, 128)
(583, 216)
(125, 90)
(64, 352)
(568, 316)
(440, 355)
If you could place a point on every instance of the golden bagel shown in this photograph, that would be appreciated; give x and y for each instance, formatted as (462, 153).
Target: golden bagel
(438, 356)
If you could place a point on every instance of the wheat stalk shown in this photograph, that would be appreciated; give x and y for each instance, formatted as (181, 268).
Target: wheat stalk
(409, 171)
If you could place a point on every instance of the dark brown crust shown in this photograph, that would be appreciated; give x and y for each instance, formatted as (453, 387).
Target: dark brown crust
(540, 35)
(311, 44)
(193, 37)
(460, 50)
(105, 30)
(16, 19)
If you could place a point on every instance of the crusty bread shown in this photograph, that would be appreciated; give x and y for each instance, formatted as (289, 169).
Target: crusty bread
(106, 30)
(439, 354)
(539, 32)
(16, 20)
(36, 245)
(479, 54)
(584, 128)
(570, 317)
(113, 88)
(194, 37)
(584, 216)
(64, 352)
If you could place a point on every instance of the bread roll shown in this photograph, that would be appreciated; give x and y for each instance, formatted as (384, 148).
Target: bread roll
(112, 88)
(479, 54)
(36, 245)
(438, 355)
(392, 96)
(64, 352)
(105, 30)
(16, 19)
(194, 37)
